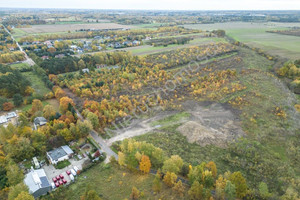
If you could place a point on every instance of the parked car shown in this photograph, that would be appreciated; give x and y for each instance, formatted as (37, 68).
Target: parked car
(68, 172)
(57, 178)
(56, 184)
(61, 176)
(61, 182)
(64, 181)
(71, 177)
(73, 172)
(76, 169)
(54, 179)
(53, 185)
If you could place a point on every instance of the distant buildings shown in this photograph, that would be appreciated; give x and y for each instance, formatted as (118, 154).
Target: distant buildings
(37, 182)
(60, 154)
(85, 70)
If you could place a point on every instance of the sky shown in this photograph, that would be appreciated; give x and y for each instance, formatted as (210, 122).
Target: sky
(157, 4)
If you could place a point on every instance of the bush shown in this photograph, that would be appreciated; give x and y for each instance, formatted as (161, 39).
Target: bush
(62, 164)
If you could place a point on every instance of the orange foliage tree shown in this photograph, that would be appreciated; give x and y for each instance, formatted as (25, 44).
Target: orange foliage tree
(145, 164)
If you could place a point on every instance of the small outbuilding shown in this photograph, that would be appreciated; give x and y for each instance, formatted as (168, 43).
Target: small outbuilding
(39, 121)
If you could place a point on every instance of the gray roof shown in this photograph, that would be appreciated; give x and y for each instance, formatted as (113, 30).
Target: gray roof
(3, 119)
(35, 180)
(62, 151)
(40, 121)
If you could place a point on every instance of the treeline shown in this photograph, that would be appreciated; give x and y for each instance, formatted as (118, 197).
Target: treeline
(291, 70)
(294, 32)
(12, 82)
(202, 181)
(168, 41)
(173, 30)
(11, 57)
(22, 142)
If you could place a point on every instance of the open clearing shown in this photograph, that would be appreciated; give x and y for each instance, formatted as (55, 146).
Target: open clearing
(101, 178)
(255, 35)
(70, 27)
(36, 83)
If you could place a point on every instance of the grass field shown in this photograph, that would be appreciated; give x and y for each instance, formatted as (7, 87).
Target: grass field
(36, 83)
(70, 27)
(111, 182)
(254, 34)
(19, 65)
(147, 49)
(52, 102)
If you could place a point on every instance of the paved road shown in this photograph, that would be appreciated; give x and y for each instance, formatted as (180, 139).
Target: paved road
(27, 60)
(102, 143)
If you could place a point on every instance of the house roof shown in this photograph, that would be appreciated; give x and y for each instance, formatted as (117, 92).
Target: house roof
(60, 152)
(11, 115)
(3, 119)
(36, 179)
(40, 120)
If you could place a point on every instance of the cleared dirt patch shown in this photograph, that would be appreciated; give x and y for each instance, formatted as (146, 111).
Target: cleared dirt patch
(211, 123)
(71, 27)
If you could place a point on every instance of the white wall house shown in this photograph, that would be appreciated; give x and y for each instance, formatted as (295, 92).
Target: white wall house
(60, 154)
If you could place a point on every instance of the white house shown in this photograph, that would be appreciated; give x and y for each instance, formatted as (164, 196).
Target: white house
(60, 154)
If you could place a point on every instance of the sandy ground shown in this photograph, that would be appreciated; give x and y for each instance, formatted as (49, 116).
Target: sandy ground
(210, 123)
(71, 27)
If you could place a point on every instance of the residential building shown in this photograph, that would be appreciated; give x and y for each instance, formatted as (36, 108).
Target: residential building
(59, 154)
(37, 182)
(85, 70)
(39, 121)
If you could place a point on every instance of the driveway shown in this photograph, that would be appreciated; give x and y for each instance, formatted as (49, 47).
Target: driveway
(51, 172)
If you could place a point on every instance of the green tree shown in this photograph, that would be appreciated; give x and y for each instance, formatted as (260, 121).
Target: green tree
(263, 190)
(84, 128)
(14, 174)
(14, 191)
(196, 191)
(156, 183)
(93, 118)
(230, 191)
(24, 196)
(240, 184)
(173, 164)
(17, 99)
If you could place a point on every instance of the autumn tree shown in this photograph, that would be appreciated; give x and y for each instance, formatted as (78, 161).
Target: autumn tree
(64, 103)
(213, 168)
(196, 191)
(179, 188)
(170, 179)
(90, 195)
(135, 193)
(173, 164)
(145, 164)
(48, 111)
(36, 106)
(121, 158)
(7, 106)
(156, 183)
(220, 186)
